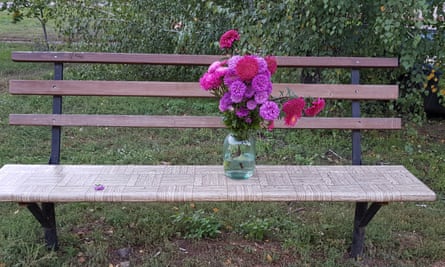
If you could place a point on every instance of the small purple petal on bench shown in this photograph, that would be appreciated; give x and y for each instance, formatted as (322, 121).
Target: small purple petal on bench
(99, 187)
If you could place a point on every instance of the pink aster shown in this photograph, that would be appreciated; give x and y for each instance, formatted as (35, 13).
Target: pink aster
(271, 125)
(214, 66)
(271, 64)
(293, 110)
(221, 71)
(210, 81)
(227, 39)
(317, 107)
(247, 68)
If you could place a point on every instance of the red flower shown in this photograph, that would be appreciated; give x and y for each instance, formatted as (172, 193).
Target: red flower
(271, 126)
(227, 39)
(317, 106)
(271, 64)
(293, 110)
(247, 68)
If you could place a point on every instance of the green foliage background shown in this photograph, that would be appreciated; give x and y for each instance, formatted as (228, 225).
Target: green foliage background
(391, 28)
(410, 30)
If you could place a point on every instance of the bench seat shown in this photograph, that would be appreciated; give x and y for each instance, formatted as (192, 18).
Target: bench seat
(167, 183)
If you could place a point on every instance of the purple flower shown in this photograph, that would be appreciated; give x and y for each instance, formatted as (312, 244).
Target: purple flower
(261, 83)
(237, 90)
(269, 111)
(242, 112)
(99, 187)
(230, 77)
(232, 62)
(262, 65)
(251, 104)
(261, 97)
(250, 92)
(225, 102)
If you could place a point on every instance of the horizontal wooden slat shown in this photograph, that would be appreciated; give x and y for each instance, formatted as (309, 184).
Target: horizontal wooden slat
(191, 89)
(340, 91)
(164, 183)
(181, 59)
(107, 88)
(115, 58)
(337, 62)
(192, 121)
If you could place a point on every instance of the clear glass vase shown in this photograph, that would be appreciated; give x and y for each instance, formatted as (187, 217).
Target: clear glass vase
(239, 157)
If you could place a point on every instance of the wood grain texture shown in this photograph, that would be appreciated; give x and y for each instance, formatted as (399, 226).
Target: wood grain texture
(154, 121)
(135, 183)
(192, 89)
(181, 59)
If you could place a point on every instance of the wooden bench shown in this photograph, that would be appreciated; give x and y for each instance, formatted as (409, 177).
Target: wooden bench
(40, 186)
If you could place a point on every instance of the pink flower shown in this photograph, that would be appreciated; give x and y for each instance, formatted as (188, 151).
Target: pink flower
(210, 81)
(221, 71)
(271, 64)
(293, 110)
(247, 68)
(214, 66)
(317, 106)
(271, 125)
(227, 39)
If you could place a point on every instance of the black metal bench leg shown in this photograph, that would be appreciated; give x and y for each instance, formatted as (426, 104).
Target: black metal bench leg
(363, 215)
(46, 216)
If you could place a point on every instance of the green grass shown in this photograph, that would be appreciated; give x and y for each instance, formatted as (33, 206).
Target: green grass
(280, 234)
(28, 30)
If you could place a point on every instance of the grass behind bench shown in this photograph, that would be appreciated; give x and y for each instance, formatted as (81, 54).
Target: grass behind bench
(313, 234)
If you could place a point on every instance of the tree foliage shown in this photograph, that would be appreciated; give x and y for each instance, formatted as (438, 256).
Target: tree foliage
(42, 10)
(411, 30)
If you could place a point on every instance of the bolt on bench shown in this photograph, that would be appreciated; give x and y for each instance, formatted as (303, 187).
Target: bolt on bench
(40, 186)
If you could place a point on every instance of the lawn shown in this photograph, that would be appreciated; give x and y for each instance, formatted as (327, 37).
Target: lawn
(28, 30)
(252, 234)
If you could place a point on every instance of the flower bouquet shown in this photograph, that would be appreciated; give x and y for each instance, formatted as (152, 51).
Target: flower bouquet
(244, 87)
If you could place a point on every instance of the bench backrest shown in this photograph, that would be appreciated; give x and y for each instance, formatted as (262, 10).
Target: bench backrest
(58, 88)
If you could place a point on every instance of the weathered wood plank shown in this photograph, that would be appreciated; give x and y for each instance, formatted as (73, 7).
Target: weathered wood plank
(181, 59)
(192, 89)
(193, 121)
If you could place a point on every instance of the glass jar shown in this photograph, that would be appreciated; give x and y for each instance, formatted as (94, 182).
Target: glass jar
(239, 157)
